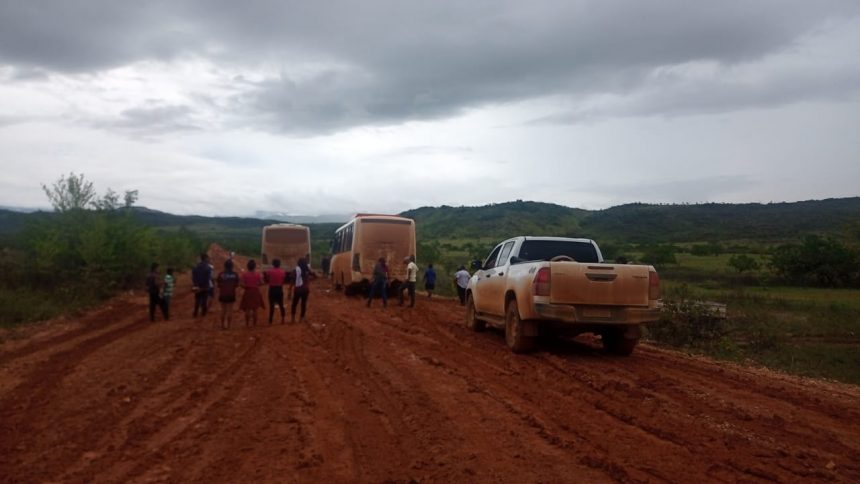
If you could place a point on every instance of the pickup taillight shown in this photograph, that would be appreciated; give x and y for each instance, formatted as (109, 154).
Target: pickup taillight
(653, 285)
(541, 282)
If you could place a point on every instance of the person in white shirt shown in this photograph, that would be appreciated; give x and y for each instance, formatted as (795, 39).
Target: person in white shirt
(411, 278)
(301, 288)
(461, 277)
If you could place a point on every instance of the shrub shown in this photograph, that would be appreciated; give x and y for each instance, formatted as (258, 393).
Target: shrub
(743, 263)
(686, 321)
(816, 261)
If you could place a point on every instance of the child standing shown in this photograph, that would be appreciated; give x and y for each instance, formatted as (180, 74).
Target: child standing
(167, 292)
(227, 282)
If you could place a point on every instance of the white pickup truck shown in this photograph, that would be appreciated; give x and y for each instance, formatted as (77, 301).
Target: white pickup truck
(531, 286)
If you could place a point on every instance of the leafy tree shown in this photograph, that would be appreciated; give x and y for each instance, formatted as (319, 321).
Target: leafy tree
(110, 201)
(130, 197)
(70, 192)
(743, 263)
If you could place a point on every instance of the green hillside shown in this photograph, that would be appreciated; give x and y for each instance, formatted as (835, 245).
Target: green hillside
(496, 221)
(640, 223)
(719, 222)
(633, 223)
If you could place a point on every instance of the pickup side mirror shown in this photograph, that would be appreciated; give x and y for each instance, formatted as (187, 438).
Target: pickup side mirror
(477, 265)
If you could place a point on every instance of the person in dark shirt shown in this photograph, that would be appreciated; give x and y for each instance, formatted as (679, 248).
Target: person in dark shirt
(326, 265)
(301, 281)
(379, 283)
(201, 277)
(227, 283)
(153, 287)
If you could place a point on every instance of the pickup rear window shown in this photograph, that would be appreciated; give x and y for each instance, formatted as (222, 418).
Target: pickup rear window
(547, 249)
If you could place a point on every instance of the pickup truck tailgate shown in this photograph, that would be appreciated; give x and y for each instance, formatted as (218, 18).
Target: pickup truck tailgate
(598, 284)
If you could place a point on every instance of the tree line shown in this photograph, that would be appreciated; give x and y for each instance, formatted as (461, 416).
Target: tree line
(89, 249)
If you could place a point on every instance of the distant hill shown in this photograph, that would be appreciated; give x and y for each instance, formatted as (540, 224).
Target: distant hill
(722, 221)
(640, 222)
(492, 221)
(637, 223)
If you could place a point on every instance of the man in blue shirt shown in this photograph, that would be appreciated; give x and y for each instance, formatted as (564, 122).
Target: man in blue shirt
(430, 280)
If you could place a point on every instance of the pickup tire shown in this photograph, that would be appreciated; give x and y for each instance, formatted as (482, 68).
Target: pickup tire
(472, 321)
(515, 336)
(616, 343)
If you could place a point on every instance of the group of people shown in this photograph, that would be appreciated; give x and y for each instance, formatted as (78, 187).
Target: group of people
(297, 282)
(227, 284)
(379, 282)
(251, 281)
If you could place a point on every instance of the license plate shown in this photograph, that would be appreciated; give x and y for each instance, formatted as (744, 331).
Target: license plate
(596, 313)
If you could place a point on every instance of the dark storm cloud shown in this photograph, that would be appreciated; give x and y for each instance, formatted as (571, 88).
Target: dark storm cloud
(343, 64)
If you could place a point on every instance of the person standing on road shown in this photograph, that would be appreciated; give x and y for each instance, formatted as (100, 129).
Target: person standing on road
(227, 283)
(411, 279)
(326, 265)
(167, 292)
(430, 280)
(252, 300)
(211, 296)
(200, 276)
(301, 282)
(275, 278)
(380, 282)
(461, 278)
(153, 287)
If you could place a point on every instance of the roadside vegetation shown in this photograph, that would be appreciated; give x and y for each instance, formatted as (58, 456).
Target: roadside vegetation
(89, 248)
(794, 306)
(788, 274)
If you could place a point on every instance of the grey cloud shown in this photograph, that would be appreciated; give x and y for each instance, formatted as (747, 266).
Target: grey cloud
(701, 189)
(387, 62)
(153, 119)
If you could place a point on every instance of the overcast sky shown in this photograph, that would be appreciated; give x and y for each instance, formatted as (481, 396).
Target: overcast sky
(228, 108)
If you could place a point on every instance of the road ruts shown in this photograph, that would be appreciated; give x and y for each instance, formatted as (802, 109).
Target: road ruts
(394, 395)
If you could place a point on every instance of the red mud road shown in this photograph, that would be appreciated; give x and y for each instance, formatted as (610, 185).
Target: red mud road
(394, 395)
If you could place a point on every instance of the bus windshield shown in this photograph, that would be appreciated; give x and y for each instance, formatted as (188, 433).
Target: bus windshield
(286, 236)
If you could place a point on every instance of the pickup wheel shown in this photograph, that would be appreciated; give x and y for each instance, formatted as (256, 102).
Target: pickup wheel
(517, 341)
(614, 342)
(472, 321)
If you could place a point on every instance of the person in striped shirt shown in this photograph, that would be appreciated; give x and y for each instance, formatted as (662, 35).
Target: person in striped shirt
(167, 292)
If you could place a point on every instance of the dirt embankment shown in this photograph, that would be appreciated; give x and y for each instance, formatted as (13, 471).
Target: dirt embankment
(394, 394)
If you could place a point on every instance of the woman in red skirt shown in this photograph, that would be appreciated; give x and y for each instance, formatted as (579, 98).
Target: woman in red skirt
(252, 300)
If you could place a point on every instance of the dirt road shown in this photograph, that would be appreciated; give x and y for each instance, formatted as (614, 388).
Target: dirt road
(394, 395)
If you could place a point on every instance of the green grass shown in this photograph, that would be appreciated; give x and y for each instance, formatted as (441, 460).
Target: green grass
(801, 330)
(26, 305)
(716, 264)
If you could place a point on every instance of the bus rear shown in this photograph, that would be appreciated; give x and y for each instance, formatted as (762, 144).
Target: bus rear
(390, 237)
(286, 242)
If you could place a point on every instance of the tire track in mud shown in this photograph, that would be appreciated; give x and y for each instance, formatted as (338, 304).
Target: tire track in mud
(385, 398)
(152, 425)
(620, 376)
(471, 397)
(21, 406)
(396, 395)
